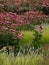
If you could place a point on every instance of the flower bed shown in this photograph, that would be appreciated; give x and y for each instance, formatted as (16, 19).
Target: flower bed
(23, 16)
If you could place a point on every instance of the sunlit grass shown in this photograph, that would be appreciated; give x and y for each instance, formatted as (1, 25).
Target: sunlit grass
(27, 37)
(23, 60)
(45, 36)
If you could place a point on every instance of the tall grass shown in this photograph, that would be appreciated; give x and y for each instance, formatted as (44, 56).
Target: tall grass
(33, 59)
(45, 36)
(27, 37)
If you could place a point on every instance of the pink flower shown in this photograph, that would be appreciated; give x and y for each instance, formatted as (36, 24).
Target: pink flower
(41, 28)
(20, 36)
(4, 28)
(14, 24)
(2, 5)
(35, 29)
(12, 31)
(28, 22)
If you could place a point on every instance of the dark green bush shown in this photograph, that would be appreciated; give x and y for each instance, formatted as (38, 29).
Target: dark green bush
(37, 39)
(7, 39)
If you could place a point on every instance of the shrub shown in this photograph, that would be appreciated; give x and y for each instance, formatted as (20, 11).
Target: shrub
(37, 40)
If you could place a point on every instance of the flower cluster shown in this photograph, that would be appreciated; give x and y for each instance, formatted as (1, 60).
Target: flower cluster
(8, 24)
(20, 16)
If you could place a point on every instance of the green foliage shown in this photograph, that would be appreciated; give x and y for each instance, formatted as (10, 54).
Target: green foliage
(39, 7)
(1, 8)
(9, 8)
(47, 20)
(27, 37)
(45, 35)
(7, 38)
(37, 39)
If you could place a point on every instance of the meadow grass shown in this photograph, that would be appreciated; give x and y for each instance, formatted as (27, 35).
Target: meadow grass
(33, 59)
(27, 37)
(45, 35)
